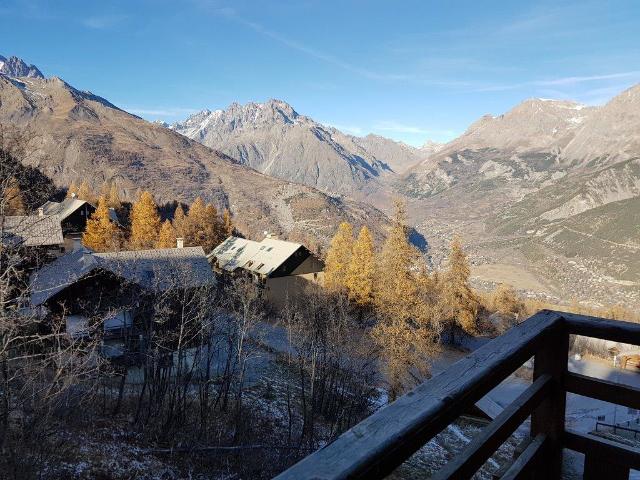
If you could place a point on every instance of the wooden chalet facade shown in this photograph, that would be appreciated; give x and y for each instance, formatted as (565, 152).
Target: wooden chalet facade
(113, 296)
(73, 214)
(284, 269)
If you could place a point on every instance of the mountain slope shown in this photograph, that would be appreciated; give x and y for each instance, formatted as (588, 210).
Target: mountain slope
(517, 185)
(75, 136)
(274, 139)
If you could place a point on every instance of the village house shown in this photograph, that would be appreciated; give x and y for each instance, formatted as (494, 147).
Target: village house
(113, 295)
(40, 237)
(284, 269)
(73, 214)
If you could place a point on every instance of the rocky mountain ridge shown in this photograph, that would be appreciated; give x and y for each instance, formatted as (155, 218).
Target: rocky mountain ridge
(274, 139)
(16, 67)
(515, 186)
(71, 136)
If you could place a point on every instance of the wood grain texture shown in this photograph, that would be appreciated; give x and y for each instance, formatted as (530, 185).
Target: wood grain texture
(526, 462)
(602, 390)
(483, 445)
(614, 330)
(605, 450)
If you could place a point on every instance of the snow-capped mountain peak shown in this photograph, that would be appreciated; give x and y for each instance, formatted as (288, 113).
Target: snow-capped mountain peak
(16, 67)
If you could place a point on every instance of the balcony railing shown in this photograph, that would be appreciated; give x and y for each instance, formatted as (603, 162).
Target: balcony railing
(380, 443)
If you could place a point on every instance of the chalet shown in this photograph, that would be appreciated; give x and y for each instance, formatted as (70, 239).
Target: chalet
(283, 268)
(41, 235)
(113, 294)
(73, 214)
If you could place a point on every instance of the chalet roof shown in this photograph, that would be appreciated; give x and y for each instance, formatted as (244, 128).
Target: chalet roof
(32, 230)
(155, 270)
(259, 257)
(68, 206)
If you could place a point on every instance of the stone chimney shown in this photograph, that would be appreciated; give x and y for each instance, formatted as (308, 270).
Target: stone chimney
(41, 212)
(179, 242)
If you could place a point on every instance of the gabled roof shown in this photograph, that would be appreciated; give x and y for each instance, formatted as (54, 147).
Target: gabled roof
(259, 257)
(68, 206)
(32, 230)
(156, 270)
(63, 208)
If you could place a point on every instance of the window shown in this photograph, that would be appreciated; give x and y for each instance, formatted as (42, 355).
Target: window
(260, 266)
(248, 264)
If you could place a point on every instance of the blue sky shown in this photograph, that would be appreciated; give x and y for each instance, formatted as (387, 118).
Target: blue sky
(409, 70)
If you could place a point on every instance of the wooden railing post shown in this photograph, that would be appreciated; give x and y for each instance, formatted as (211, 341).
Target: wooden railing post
(549, 418)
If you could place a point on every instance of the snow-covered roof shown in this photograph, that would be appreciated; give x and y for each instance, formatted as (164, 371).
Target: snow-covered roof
(32, 230)
(259, 257)
(157, 270)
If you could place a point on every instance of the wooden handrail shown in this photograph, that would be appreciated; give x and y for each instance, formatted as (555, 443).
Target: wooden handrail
(604, 390)
(380, 443)
(482, 446)
(525, 463)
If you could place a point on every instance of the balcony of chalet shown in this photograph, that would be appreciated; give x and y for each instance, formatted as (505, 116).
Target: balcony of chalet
(379, 444)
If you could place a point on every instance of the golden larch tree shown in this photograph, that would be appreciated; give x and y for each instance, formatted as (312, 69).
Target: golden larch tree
(459, 301)
(13, 203)
(167, 236)
(71, 190)
(406, 332)
(203, 226)
(361, 273)
(86, 193)
(145, 223)
(214, 231)
(227, 222)
(194, 224)
(338, 258)
(113, 197)
(179, 221)
(101, 234)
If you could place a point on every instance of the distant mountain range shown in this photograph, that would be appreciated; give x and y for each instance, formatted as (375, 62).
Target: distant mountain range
(546, 196)
(550, 186)
(75, 135)
(275, 140)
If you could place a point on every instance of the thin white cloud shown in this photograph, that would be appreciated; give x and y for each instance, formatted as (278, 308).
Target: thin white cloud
(312, 52)
(102, 22)
(398, 127)
(590, 78)
(562, 81)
